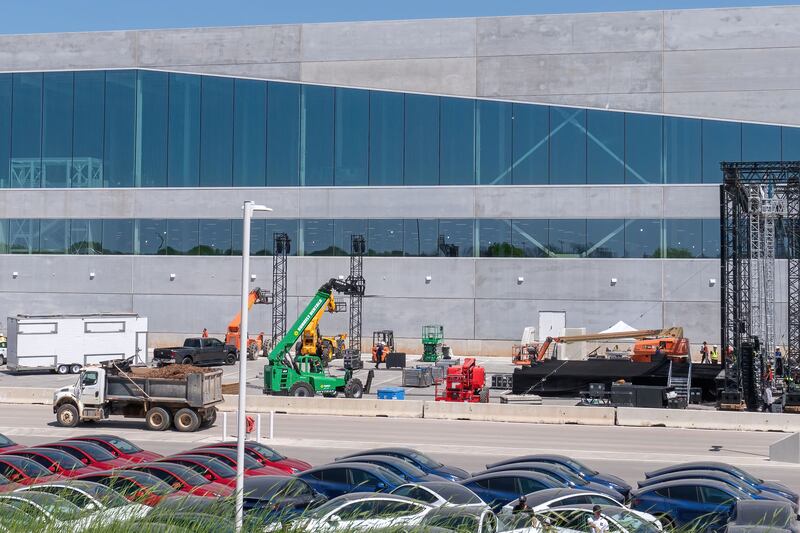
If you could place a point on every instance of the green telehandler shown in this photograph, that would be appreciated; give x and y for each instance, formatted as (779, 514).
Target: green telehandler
(304, 375)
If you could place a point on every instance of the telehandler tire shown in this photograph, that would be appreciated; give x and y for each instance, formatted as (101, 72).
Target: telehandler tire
(186, 420)
(158, 419)
(354, 388)
(301, 389)
(67, 416)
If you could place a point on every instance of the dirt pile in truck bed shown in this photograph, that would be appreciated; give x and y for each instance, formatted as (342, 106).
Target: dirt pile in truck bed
(169, 372)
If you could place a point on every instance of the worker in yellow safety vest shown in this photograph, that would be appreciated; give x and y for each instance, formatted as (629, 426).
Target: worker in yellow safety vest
(714, 356)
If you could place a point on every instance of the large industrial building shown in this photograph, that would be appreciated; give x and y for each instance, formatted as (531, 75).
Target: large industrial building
(500, 168)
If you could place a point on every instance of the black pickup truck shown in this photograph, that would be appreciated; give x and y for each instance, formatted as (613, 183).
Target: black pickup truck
(198, 351)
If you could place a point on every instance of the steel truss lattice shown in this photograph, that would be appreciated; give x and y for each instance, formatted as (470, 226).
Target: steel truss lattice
(356, 277)
(755, 199)
(280, 251)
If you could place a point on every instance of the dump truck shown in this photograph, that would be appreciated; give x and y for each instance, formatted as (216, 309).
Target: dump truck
(187, 399)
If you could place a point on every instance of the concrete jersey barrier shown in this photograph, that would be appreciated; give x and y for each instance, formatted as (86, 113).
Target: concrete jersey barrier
(694, 419)
(533, 414)
(26, 395)
(326, 406)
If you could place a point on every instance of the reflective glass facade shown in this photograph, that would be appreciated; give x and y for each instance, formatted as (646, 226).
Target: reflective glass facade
(554, 238)
(136, 128)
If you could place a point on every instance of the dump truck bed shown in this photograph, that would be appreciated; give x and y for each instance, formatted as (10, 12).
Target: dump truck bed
(199, 389)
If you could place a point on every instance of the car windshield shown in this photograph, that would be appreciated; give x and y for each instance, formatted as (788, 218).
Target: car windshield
(5, 441)
(229, 457)
(390, 476)
(577, 466)
(738, 472)
(455, 493)
(631, 522)
(59, 508)
(125, 446)
(92, 450)
(425, 460)
(266, 451)
(63, 459)
(206, 463)
(148, 482)
(188, 475)
(28, 467)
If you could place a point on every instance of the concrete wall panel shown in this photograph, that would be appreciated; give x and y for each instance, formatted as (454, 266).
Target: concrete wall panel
(62, 51)
(264, 71)
(623, 72)
(687, 280)
(404, 39)
(644, 102)
(568, 33)
(777, 107)
(453, 76)
(243, 44)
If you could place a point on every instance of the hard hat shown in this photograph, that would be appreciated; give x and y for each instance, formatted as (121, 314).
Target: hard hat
(714, 346)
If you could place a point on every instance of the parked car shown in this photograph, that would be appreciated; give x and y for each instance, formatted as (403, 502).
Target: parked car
(460, 519)
(24, 471)
(336, 479)
(7, 445)
(619, 519)
(210, 468)
(757, 516)
(45, 508)
(769, 486)
(441, 494)
(228, 456)
(279, 497)
(198, 351)
(89, 454)
(402, 468)
(499, 488)
(133, 485)
(184, 479)
(719, 475)
(587, 473)
(700, 503)
(119, 447)
(561, 474)
(364, 511)
(266, 456)
(418, 459)
(57, 462)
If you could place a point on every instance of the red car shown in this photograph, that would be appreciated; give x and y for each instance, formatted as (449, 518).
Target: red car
(57, 461)
(6, 444)
(139, 487)
(89, 454)
(24, 471)
(267, 456)
(209, 467)
(228, 456)
(119, 447)
(184, 479)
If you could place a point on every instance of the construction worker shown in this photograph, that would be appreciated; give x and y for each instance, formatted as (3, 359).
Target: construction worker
(378, 354)
(597, 524)
(778, 361)
(205, 333)
(704, 353)
(714, 355)
(521, 505)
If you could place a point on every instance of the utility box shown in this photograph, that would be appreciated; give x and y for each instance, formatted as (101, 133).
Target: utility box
(67, 343)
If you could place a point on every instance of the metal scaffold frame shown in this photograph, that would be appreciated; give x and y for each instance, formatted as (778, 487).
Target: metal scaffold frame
(356, 277)
(755, 198)
(281, 248)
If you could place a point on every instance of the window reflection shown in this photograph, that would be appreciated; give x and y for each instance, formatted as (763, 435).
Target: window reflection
(495, 239)
(643, 145)
(215, 237)
(530, 236)
(53, 236)
(567, 145)
(343, 233)
(117, 237)
(567, 238)
(317, 237)
(605, 238)
(421, 237)
(531, 140)
(23, 236)
(605, 146)
(182, 237)
(86, 237)
(643, 238)
(722, 141)
(456, 237)
(684, 238)
(151, 237)
(385, 237)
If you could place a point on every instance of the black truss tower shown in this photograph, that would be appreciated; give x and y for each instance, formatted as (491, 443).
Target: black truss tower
(783, 180)
(280, 250)
(357, 250)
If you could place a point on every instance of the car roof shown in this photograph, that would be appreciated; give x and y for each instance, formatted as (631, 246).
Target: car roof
(256, 482)
(550, 467)
(551, 457)
(348, 464)
(516, 473)
(694, 465)
(16, 459)
(377, 457)
(173, 468)
(458, 511)
(382, 451)
(41, 498)
(204, 459)
(690, 481)
(90, 487)
(136, 475)
(352, 496)
(81, 445)
(699, 474)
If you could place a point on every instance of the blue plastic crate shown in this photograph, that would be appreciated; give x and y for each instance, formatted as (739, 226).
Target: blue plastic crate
(392, 393)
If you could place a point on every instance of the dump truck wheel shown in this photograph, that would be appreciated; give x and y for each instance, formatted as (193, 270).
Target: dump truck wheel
(484, 396)
(157, 419)
(230, 359)
(62, 369)
(209, 420)
(301, 389)
(67, 416)
(186, 420)
(75, 369)
(354, 388)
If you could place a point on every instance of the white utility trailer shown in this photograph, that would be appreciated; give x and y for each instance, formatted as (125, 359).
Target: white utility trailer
(67, 343)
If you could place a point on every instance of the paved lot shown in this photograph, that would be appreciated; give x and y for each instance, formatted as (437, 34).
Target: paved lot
(626, 452)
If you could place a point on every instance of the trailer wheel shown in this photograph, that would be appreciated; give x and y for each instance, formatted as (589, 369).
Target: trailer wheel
(62, 369)
(354, 388)
(209, 420)
(484, 396)
(67, 416)
(230, 359)
(75, 369)
(186, 420)
(157, 419)
(301, 389)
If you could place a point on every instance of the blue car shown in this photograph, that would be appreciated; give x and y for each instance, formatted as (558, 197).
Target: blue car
(589, 474)
(499, 488)
(418, 459)
(722, 477)
(402, 468)
(336, 479)
(768, 486)
(703, 504)
(561, 474)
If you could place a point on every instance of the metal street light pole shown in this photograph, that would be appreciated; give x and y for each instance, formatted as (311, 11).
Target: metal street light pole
(248, 209)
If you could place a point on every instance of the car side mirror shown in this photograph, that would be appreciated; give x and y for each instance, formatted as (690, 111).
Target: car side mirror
(334, 519)
(380, 485)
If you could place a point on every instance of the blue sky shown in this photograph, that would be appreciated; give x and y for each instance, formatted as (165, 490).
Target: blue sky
(35, 16)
